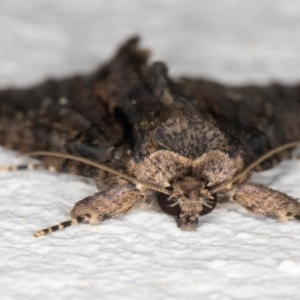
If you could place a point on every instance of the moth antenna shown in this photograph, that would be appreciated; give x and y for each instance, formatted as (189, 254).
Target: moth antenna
(61, 226)
(102, 167)
(244, 172)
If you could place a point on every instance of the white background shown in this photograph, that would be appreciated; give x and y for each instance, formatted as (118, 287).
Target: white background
(232, 255)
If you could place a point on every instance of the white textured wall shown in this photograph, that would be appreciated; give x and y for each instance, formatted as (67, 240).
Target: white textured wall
(232, 255)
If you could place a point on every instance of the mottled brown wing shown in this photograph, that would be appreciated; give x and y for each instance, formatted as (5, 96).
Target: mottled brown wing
(94, 116)
(91, 116)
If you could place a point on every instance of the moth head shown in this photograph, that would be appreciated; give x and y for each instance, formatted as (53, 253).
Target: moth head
(189, 199)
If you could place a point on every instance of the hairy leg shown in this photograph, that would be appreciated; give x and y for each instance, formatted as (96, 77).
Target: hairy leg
(262, 200)
(109, 203)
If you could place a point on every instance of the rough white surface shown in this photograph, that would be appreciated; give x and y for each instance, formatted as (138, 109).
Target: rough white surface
(232, 255)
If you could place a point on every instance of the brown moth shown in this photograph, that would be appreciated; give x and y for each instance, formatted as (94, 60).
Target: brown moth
(146, 140)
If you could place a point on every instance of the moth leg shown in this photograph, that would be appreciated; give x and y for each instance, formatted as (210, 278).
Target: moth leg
(30, 167)
(103, 205)
(262, 200)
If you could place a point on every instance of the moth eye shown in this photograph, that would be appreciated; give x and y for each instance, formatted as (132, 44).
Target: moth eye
(206, 210)
(164, 204)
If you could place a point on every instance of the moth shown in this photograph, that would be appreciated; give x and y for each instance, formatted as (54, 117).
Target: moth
(177, 146)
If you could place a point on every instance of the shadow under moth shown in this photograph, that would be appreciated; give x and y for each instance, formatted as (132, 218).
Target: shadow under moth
(177, 146)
